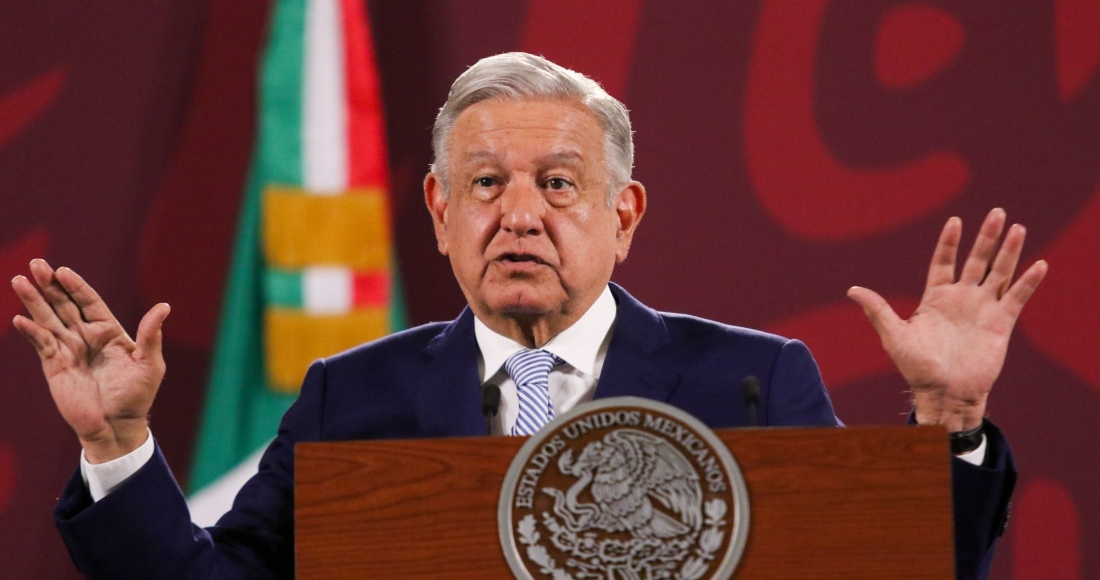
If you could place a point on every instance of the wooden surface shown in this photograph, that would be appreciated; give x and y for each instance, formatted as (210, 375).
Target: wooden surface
(857, 502)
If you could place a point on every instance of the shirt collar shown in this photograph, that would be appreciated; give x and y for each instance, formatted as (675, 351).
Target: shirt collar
(577, 345)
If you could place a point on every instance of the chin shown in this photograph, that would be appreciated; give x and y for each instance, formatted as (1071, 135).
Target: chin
(524, 301)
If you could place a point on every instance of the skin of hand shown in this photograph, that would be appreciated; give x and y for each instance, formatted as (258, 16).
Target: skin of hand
(951, 350)
(102, 381)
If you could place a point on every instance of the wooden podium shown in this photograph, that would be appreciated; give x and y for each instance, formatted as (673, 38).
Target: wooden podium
(858, 502)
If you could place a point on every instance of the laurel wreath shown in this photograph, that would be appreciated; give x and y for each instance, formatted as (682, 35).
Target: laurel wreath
(529, 537)
(709, 541)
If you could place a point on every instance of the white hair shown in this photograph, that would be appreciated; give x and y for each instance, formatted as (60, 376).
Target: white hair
(518, 75)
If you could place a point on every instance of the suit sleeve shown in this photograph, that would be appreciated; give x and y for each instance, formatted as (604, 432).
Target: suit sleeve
(795, 394)
(143, 528)
(981, 495)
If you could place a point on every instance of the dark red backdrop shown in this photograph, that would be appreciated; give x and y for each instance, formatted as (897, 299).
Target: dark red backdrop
(791, 149)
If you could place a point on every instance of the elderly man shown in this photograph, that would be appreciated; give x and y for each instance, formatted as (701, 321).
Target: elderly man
(532, 201)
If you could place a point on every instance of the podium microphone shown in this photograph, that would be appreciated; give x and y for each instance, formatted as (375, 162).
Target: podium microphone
(750, 388)
(490, 403)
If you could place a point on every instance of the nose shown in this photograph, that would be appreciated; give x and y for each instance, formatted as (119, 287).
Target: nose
(522, 208)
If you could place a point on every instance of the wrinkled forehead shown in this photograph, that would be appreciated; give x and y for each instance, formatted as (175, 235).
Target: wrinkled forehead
(550, 131)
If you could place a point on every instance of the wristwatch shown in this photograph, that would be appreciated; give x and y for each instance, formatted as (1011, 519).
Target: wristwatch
(966, 441)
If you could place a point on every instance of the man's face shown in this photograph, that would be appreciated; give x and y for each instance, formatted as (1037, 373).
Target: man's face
(527, 225)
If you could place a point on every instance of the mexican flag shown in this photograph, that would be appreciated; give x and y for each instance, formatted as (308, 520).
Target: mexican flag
(313, 269)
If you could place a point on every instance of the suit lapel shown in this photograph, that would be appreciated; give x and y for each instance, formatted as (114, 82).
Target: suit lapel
(448, 394)
(634, 365)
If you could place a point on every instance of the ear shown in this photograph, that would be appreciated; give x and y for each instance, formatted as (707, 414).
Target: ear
(437, 206)
(630, 206)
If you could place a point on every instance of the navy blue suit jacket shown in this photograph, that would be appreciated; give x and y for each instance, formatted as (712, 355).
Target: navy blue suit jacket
(424, 382)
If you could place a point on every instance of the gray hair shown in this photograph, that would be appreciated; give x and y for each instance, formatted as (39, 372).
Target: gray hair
(518, 75)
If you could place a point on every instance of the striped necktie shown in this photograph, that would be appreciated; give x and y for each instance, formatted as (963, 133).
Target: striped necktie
(530, 370)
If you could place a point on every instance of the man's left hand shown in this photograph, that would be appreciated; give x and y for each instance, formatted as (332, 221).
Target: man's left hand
(953, 347)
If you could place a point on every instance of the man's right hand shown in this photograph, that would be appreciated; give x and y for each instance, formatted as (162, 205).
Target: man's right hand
(101, 380)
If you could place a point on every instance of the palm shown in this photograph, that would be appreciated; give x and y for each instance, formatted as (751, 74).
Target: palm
(935, 347)
(953, 347)
(95, 382)
(101, 380)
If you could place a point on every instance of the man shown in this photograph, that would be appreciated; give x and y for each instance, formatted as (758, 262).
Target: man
(532, 201)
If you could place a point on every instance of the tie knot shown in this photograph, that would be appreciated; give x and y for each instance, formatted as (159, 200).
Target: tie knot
(530, 365)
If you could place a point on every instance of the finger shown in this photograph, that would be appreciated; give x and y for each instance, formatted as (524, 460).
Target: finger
(942, 269)
(149, 334)
(1004, 266)
(1018, 295)
(58, 299)
(985, 245)
(877, 310)
(84, 296)
(41, 339)
(36, 305)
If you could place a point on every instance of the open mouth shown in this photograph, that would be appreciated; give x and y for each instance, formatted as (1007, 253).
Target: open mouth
(519, 258)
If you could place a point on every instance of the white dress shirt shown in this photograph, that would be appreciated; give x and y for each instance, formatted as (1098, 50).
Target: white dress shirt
(582, 346)
(103, 478)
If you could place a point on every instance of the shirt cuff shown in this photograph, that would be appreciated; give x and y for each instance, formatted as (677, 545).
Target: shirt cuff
(101, 479)
(977, 456)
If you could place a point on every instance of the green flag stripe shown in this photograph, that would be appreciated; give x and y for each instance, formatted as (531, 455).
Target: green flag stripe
(283, 288)
(398, 318)
(280, 142)
(240, 411)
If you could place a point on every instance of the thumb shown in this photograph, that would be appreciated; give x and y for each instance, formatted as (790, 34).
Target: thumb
(149, 335)
(877, 310)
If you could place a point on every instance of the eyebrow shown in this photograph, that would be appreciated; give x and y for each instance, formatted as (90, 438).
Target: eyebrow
(479, 155)
(571, 158)
(562, 158)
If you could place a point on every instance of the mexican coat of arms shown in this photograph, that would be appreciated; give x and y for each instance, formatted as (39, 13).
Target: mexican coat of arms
(624, 489)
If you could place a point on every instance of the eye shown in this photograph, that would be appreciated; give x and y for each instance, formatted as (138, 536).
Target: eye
(485, 181)
(557, 183)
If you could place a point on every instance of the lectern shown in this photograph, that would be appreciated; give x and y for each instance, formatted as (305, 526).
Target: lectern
(857, 502)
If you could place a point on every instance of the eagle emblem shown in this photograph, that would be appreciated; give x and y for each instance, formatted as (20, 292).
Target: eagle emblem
(626, 473)
(612, 495)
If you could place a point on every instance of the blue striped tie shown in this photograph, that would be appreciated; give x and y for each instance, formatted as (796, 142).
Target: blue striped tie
(530, 369)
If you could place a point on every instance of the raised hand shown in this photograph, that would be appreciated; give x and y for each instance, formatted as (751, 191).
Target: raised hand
(952, 349)
(101, 380)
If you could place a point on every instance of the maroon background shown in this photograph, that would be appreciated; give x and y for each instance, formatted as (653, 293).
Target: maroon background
(790, 150)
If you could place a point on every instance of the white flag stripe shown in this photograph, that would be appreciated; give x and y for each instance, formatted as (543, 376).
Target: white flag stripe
(326, 290)
(211, 502)
(324, 107)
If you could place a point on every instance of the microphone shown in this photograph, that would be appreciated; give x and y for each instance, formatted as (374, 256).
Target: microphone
(750, 389)
(490, 403)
